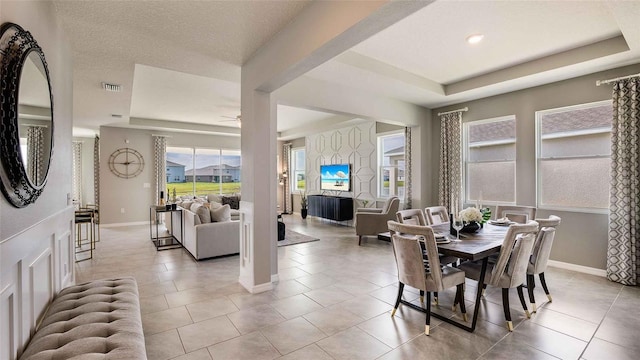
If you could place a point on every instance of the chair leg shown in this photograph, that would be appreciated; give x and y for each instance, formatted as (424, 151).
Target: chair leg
(422, 298)
(400, 288)
(435, 298)
(505, 306)
(531, 284)
(484, 287)
(524, 303)
(428, 311)
(460, 299)
(359, 240)
(544, 286)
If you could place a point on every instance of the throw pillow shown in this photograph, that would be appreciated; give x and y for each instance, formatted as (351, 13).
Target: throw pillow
(223, 213)
(232, 201)
(186, 205)
(214, 198)
(204, 214)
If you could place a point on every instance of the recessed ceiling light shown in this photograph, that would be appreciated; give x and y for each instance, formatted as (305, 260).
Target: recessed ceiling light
(475, 38)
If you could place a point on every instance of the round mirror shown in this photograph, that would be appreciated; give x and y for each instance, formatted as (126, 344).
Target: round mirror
(26, 134)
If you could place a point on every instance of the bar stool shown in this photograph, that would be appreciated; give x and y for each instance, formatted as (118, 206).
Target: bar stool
(84, 217)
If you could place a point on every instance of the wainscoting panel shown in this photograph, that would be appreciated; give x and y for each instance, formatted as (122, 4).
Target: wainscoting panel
(34, 265)
(355, 145)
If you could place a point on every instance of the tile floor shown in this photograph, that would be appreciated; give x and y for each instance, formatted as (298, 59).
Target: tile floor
(333, 301)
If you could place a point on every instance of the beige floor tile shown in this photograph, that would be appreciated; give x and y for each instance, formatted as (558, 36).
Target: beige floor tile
(329, 295)
(295, 306)
(206, 333)
(153, 304)
(353, 344)
(247, 300)
(164, 320)
(311, 352)
(164, 345)
(254, 318)
(189, 296)
(599, 349)
(292, 335)
(393, 331)
(333, 319)
(202, 354)
(285, 289)
(316, 281)
(159, 288)
(209, 309)
(252, 346)
(365, 306)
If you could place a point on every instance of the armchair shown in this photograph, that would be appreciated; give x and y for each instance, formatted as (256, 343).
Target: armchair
(374, 221)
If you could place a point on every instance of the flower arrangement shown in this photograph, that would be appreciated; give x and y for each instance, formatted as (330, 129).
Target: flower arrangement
(471, 214)
(303, 200)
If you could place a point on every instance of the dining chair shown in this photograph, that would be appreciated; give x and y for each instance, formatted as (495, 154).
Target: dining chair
(406, 240)
(540, 257)
(371, 221)
(436, 215)
(416, 217)
(516, 213)
(511, 268)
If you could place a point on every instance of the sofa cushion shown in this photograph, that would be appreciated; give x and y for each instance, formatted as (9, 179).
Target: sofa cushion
(232, 201)
(214, 198)
(204, 214)
(186, 204)
(223, 213)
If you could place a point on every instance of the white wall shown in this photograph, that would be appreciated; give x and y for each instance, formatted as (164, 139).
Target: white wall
(36, 241)
(87, 170)
(131, 194)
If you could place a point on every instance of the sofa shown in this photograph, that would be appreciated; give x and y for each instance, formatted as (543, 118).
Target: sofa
(217, 235)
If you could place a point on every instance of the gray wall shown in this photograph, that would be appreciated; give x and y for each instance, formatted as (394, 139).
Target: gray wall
(131, 194)
(581, 238)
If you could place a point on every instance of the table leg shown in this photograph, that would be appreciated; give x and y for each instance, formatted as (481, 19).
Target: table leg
(483, 272)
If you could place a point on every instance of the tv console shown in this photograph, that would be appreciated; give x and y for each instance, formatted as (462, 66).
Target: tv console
(331, 207)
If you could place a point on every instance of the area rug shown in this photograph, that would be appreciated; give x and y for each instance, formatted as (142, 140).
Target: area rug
(291, 238)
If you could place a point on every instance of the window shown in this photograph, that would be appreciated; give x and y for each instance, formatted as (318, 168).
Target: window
(489, 154)
(297, 167)
(391, 165)
(198, 172)
(573, 157)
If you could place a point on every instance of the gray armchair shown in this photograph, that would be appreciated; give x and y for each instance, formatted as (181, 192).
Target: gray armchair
(370, 221)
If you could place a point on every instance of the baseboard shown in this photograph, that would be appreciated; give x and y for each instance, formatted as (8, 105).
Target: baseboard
(578, 268)
(124, 224)
(255, 289)
(275, 278)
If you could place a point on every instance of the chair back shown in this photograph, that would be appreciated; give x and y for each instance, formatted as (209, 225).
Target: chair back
(437, 215)
(411, 217)
(541, 250)
(552, 221)
(391, 205)
(408, 252)
(516, 213)
(511, 268)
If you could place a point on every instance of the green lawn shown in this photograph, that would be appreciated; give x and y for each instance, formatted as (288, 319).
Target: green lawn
(202, 188)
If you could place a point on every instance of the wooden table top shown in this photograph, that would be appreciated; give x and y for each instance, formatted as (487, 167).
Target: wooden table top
(474, 246)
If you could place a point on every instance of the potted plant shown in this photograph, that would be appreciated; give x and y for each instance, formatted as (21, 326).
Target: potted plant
(303, 204)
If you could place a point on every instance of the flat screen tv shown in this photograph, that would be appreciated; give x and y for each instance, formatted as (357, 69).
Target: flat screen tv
(335, 177)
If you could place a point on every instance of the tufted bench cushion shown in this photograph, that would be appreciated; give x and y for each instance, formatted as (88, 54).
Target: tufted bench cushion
(96, 320)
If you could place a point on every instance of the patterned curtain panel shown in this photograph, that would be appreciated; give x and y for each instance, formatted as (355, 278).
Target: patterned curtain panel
(77, 172)
(623, 254)
(286, 156)
(35, 152)
(96, 175)
(407, 168)
(160, 168)
(450, 161)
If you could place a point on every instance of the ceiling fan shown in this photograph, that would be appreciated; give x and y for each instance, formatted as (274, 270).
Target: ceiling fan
(237, 119)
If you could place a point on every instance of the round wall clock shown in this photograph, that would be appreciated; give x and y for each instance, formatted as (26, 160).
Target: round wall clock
(126, 163)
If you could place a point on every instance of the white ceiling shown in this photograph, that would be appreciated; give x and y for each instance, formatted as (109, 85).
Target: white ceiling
(180, 61)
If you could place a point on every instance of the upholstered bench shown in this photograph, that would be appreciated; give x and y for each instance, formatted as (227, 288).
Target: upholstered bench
(95, 320)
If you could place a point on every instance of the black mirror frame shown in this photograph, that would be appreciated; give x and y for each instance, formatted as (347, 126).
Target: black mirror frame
(15, 46)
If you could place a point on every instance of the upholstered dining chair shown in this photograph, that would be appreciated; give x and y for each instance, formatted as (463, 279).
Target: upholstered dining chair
(371, 221)
(436, 215)
(540, 257)
(406, 241)
(516, 213)
(511, 268)
(416, 217)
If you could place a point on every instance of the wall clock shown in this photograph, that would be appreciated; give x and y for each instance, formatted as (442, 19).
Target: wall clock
(126, 163)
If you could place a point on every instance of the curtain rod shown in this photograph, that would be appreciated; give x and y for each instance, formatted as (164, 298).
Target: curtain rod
(453, 111)
(601, 82)
(158, 135)
(35, 125)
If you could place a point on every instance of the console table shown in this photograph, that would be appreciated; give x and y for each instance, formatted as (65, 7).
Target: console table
(168, 241)
(331, 207)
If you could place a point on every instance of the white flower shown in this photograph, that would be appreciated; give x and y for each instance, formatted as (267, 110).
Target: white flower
(471, 214)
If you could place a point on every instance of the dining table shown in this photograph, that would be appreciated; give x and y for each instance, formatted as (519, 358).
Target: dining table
(476, 246)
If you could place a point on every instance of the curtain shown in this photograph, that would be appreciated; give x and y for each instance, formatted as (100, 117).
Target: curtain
(286, 192)
(96, 176)
(77, 172)
(35, 154)
(623, 255)
(450, 161)
(160, 169)
(407, 168)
